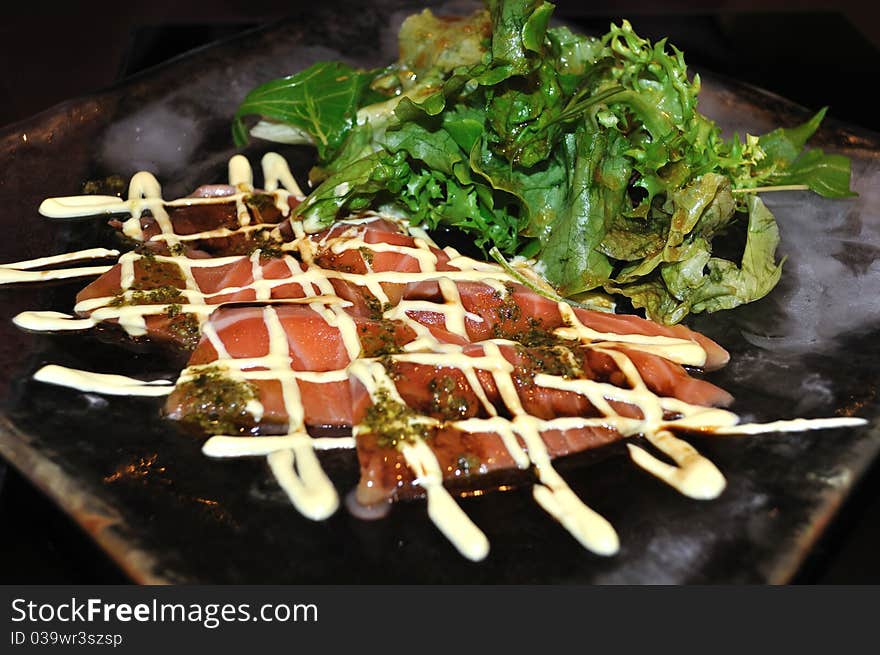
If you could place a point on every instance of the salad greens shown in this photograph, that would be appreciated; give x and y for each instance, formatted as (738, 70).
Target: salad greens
(585, 155)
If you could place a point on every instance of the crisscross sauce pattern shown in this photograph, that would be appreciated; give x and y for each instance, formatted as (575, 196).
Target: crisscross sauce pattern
(442, 372)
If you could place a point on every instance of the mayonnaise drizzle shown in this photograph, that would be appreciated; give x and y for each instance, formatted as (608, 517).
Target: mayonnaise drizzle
(90, 253)
(105, 383)
(307, 486)
(15, 276)
(793, 425)
(52, 322)
(442, 509)
(291, 457)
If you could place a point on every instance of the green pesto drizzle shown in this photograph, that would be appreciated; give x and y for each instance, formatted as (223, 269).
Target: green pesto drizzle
(184, 325)
(542, 351)
(269, 246)
(560, 360)
(374, 306)
(216, 402)
(468, 463)
(366, 254)
(390, 366)
(260, 202)
(153, 274)
(156, 296)
(446, 404)
(392, 422)
(378, 339)
(508, 313)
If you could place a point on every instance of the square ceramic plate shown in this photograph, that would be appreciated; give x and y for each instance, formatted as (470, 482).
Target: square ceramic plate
(166, 513)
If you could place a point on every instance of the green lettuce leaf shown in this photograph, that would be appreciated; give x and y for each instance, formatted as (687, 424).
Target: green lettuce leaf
(321, 100)
(699, 282)
(587, 154)
(354, 187)
(828, 175)
(518, 28)
(436, 149)
(778, 158)
(541, 190)
(571, 258)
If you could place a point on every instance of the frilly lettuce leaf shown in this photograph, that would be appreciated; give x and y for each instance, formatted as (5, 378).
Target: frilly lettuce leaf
(778, 158)
(699, 282)
(597, 176)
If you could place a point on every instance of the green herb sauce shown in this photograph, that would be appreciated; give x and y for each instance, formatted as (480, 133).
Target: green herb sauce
(157, 296)
(392, 422)
(184, 325)
(216, 402)
(367, 255)
(378, 339)
(446, 404)
(153, 274)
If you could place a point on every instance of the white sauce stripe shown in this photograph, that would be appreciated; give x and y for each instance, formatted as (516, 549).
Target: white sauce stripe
(680, 351)
(793, 425)
(78, 206)
(307, 486)
(442, 509)
(104, 383)
(66, 258)
(51, 322)
(695, 476)
(15, 276)
(223, 446)
(592, 530)
(275, 171)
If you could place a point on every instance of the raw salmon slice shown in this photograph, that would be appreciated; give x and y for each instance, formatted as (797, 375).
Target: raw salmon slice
(445, 394)
(238, 345)
(468, 350)
(206, 218)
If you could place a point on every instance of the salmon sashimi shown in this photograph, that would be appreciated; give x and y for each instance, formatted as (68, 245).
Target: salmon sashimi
(167, 298)
(450, 398)
(432, 321)
(514, 310)
(447, 371)
(283, 368)
(221, 226)
(436, 373)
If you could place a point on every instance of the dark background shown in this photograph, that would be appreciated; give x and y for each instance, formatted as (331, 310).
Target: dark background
(813, 51)
(820, 53)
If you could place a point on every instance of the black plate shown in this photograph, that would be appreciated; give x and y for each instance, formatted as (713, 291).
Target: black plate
(165, 512)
